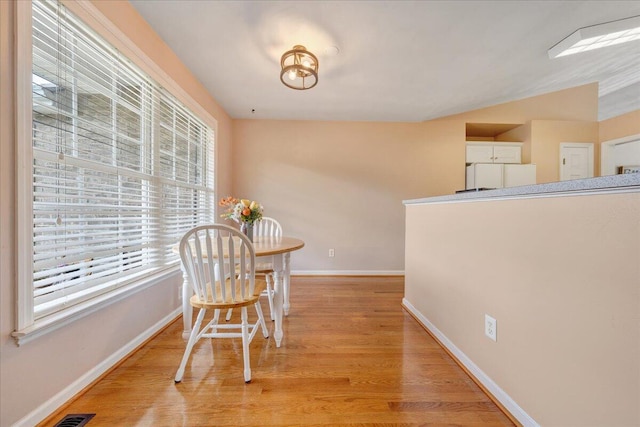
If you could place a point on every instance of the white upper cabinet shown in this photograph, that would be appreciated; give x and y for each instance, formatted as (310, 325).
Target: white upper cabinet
(479, 153)
(494, 153)
(507, 154)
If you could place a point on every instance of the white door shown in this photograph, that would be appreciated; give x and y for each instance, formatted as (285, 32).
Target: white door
(576, 161)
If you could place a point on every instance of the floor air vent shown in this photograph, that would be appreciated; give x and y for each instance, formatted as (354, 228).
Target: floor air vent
(75, 420)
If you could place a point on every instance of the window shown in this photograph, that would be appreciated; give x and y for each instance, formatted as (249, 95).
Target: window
(120, 170)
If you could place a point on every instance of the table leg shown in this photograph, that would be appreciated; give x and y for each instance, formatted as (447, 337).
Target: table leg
(187, 310)
(278, 274)
(286, 282)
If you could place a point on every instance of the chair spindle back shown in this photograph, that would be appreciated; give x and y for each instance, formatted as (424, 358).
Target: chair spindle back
(211, 255)
(267, 227)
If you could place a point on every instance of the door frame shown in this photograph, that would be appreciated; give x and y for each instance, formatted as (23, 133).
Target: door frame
(588, 145)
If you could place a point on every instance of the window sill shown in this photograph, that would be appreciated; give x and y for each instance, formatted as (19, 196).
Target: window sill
(58, 320)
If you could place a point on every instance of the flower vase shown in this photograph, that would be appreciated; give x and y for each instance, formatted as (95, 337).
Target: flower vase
(247, 230)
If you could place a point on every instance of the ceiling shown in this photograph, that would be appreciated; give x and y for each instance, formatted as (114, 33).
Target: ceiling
(403, 61)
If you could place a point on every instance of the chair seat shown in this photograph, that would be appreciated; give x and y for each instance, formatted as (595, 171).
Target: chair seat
(260, 285)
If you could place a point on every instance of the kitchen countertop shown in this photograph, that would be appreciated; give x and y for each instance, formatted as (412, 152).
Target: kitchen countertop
(613, 183)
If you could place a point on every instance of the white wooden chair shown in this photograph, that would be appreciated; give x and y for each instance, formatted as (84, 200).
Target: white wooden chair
(200, 250)
(267, 227)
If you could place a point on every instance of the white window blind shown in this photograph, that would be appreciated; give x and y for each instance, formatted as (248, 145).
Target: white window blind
(121, 170)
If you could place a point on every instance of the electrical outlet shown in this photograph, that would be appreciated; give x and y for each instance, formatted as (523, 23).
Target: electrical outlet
(491, 327)
(332, 253)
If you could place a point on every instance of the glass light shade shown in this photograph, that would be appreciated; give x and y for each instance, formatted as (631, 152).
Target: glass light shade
(301, 68)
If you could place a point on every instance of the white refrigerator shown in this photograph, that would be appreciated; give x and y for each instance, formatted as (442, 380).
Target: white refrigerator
(497, 175)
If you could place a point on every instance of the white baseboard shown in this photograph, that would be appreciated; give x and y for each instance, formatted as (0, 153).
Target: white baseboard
(347, 272)
(479, 375)
(51, 405)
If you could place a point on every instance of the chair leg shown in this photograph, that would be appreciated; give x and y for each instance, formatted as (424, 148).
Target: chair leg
(245, 346)
(216, 318)
(268, 278)
(193, 338)
(230, 311)
(263, 325)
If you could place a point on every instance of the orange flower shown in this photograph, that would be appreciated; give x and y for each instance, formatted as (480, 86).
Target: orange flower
(246, 211)
(228, 201)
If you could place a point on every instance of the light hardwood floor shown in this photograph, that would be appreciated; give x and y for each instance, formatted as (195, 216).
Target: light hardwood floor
(350, 356)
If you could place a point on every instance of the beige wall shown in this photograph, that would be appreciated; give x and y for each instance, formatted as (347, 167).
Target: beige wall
(619, 127)
(341, 184)
(522, 134)
(562, 278)
(32, 374)
(568, 115)
(574, 104)
(546, 137)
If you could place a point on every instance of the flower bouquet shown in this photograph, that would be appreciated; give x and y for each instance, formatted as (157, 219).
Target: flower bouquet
(243, 211)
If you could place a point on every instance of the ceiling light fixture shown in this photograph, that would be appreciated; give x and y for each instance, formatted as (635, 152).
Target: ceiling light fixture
(299, 68)
(597, 36)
